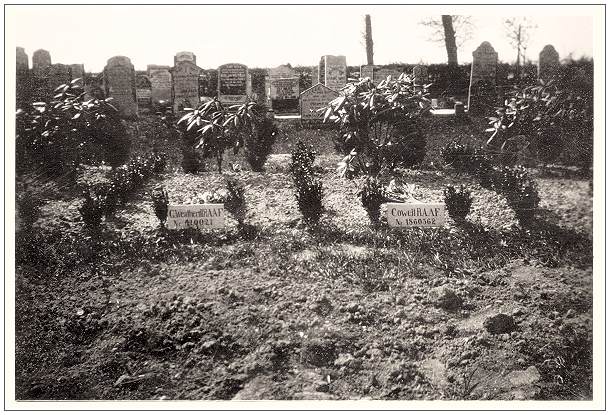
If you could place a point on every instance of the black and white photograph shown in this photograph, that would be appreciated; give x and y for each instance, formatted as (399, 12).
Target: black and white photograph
(304, 206)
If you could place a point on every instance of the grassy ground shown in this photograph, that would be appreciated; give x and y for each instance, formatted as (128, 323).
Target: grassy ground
(338, 312)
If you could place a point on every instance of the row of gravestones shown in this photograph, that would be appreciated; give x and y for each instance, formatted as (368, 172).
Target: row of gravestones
(180, 84)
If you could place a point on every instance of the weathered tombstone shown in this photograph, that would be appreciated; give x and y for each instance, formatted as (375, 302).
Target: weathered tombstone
(185, 81)
(41, 67)
(367, 71)
(185, 56)
(59, 74)
(420, 74)
(234, 82)
(482, 90)
(120, 84)
(143, 91)
(205, 216)
(333, 71)
(282, 88)
(548, 63)
(315, 76)
(160, 83)
(77, 71)
(406, 215)
(94, 88)
(21, 57)
(312, 99)
(382, 74)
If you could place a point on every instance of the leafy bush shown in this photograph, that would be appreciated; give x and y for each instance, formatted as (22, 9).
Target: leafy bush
(235, 201)
(545, 120)
(159, 163)
(520, 191)
(303, 157)
(372, 195)
(259, 143)
(309, 198)
(378, 124)
(57, 136)
(160, 200)
(92, 209)
(458, 202)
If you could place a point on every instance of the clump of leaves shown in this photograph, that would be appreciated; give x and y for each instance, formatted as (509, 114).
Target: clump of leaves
(92, 210)
(458, 202)
(520, 191)
(235, 201)
(372, 195)
(378, 124)
(308, 186)
(160, 200)
(258, 144)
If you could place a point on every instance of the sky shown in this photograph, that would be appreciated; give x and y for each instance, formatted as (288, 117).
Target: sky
(268, 36)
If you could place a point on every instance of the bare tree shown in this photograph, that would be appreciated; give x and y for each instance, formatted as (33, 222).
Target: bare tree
(452, 30)
(368, 39)
(518, 30)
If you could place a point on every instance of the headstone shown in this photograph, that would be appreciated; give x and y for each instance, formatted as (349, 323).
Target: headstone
(420, 74)
(185, 81)
(41, 62)
(548, 63)
(234, 82)
(94, 88)
(59, 74)
(206, 216)
(333, 71)
(185, 56)
(160, 83)
(315, 76)
(77, 70)
(23, 64)
(120, 84)
(382, 74)
(482, 90)
(143, 91)
(367, 71)
(406, 215)
(282, 88)
(312, 99)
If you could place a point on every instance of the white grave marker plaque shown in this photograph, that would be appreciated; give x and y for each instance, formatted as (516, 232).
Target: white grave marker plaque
(406, 215)
(207, 216)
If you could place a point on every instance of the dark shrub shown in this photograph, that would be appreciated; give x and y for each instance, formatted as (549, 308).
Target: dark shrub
(520, 191)
(372, 195)
(92, 210)
(160, 200)
(303, 157)
(309, 198)
(458, 202)
(236, 200)
(159, 163)
(259, 143)
(191, 160)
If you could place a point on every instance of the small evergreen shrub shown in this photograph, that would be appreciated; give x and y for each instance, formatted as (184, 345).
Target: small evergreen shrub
(372, 195)
(92, 210)
(309, 198)
(259, 143)
(191, 160)
(458, 202)
(160, 200)
(159, 163)
(235, 201)
(303, 157)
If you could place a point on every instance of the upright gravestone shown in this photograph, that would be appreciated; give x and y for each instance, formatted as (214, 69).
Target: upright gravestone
(367, 71)
(382, 74)
(420, 74)
(59, 74)
(185, 81)
(333, 71)
(23, 81)
(548, 63)
(77, 71)
(143, 91)
(312, 100)
(160, 83)
(282, 89)
(21, 58)
(315, 76)
(120, 84)
(185, 56)
(233, 83)
(41, 67)
(482, 90)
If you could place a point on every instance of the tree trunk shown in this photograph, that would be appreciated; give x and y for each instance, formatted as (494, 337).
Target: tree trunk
(518, 68)
(450, 40)
(369, 40)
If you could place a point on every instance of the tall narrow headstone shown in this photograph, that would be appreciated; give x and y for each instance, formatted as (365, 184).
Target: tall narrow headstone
(482, 90)
(185, 56)
(143, 91)
(313, 99)
(77, 71)
(21, 57)
(420, 74)
(59, 75)
(23, 80)
(233, 80)
(548, 63)
(282, 88)
(160, 83)
(333, 71)
(41, 62)
(120, 84)
(315, 76)
(185, 85)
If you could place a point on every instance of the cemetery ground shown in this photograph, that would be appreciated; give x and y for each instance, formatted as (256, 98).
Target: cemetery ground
(479, 310)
